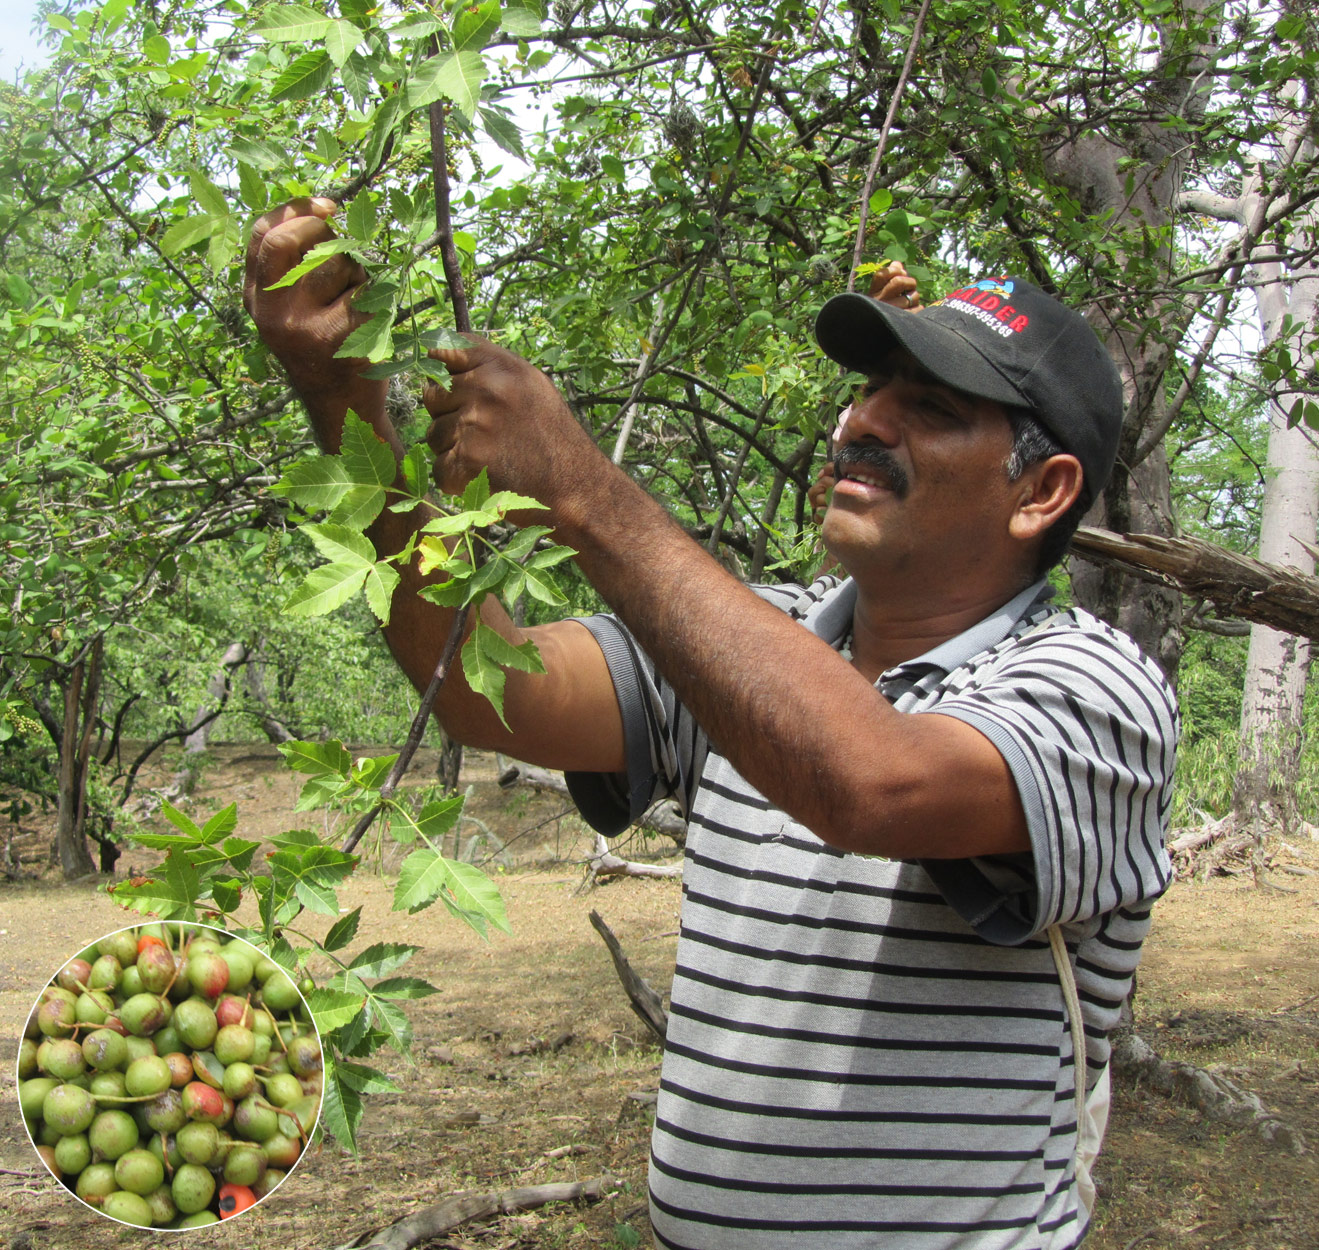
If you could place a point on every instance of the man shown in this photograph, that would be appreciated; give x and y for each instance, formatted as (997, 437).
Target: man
(897, 784)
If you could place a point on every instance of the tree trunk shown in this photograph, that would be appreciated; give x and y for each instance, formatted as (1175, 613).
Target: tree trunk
(1277, 664)
(81, 696)
(217, 692)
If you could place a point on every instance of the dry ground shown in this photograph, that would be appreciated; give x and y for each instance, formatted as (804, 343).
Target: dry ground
(497, 1098)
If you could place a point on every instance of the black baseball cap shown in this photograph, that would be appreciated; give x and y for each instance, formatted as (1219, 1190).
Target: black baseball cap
(1002, 339)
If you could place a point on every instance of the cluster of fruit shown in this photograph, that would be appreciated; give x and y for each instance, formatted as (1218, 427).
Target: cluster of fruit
(169, 1075)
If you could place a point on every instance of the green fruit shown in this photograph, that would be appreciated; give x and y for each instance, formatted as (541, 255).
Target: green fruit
(305, 1056)
(155, 968)
(144, 1014)
(255, 1121)
(138, 1047)
(73, 1153)
(239, 1080)
(68, 1109)
(162, 1206)
(164, 1113)
(165, 1147)
(32, 1093)
(269, 1182)
(208, 974)
(242, 965)
(56, 1017)
(283, 1089)
(127, 1207)
(279, 993)
(199, 1220)
(148, 1075)
(94, 1182)
(198, 1142)
(108, 1085)
(139, 1171)
(105, 1050)
(122, 945)
(281, 1151)
(112, 1133)
(131, 982)
(93, 1007)
(106, 974)
(168, 1041)
(192, 1188)
(234, 1044)
(195, 1022)
(245, 1165)
(62, 1058)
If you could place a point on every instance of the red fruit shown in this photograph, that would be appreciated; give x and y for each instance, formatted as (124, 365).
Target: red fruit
(233, 1010)
(235, 1198)
(146, 940)
(201, 1102)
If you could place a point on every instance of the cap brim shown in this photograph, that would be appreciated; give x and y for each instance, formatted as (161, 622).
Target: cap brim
(859, 332)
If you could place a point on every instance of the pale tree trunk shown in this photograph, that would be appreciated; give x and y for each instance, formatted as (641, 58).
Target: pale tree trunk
(1278, 664)
(217, 695)
(1287, 300)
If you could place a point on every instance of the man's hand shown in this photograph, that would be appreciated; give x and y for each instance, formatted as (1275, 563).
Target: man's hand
(306, 323)
(818, 492)
(894, 285)
(504, 414)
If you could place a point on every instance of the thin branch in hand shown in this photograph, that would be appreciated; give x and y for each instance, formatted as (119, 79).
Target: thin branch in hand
(873, 172)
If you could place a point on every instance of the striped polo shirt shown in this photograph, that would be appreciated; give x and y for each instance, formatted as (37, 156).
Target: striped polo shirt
(875, 1053)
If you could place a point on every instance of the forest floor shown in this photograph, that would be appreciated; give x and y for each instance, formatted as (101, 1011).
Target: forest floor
(529, 1066)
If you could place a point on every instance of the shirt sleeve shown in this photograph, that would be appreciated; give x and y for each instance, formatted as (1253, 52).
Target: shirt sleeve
(1088, 728)
(664, 748)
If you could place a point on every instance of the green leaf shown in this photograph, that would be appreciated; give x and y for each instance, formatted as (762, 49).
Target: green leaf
(223, 823)
(476, 898)
(382, 958)
(482, 671)
(340, 1108)
(455, 76)
(341, 545)
(393, 1022)
(404, 987)
(317, 483)
(372, 340)
(314, 258)
(306, 76)
(370, 771)
(421, 878)
(332, 1008)
(183, 234)
(340, 40)
(170, 896)
(524, 658)
(226, 894)
(364, 1079)
(476, 25)
(325, 588)
(180, 821)
(881, 200)
(368, 458)
(317, 758)
(342, 931)
(382, 580)
(312, 872)
(503, 130)
(293, 23)
(989, 82)
(523, 18)
(361, 219)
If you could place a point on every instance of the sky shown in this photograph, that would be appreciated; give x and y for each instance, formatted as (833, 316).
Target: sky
(16, 43)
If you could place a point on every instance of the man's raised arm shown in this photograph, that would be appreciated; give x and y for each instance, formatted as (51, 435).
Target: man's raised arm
(565, 718)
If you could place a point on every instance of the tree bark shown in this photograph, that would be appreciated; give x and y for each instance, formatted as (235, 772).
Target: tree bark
(81, 696)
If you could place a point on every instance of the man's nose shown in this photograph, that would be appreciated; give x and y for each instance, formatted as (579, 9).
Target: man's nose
(877, 415)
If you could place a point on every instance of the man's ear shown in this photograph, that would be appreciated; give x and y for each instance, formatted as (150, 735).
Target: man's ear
(1045, 492)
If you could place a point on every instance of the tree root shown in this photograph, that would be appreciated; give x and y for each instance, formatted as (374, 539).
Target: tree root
(445, 1216)
(1219, 1098)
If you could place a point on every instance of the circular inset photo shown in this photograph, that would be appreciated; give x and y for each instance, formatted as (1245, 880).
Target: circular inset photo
(170, 1075)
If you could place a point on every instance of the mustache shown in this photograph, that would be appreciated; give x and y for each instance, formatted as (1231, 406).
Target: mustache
(876, 457)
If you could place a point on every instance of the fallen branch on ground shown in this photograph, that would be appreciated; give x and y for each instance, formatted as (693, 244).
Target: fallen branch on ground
(445, 1216)
(647, 1004)
(604, 863)
(1219, 1098)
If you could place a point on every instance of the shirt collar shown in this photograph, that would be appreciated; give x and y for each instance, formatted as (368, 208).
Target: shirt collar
(831, 619)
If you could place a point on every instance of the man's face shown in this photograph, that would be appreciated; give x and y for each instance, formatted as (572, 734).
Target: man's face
(922, 496)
